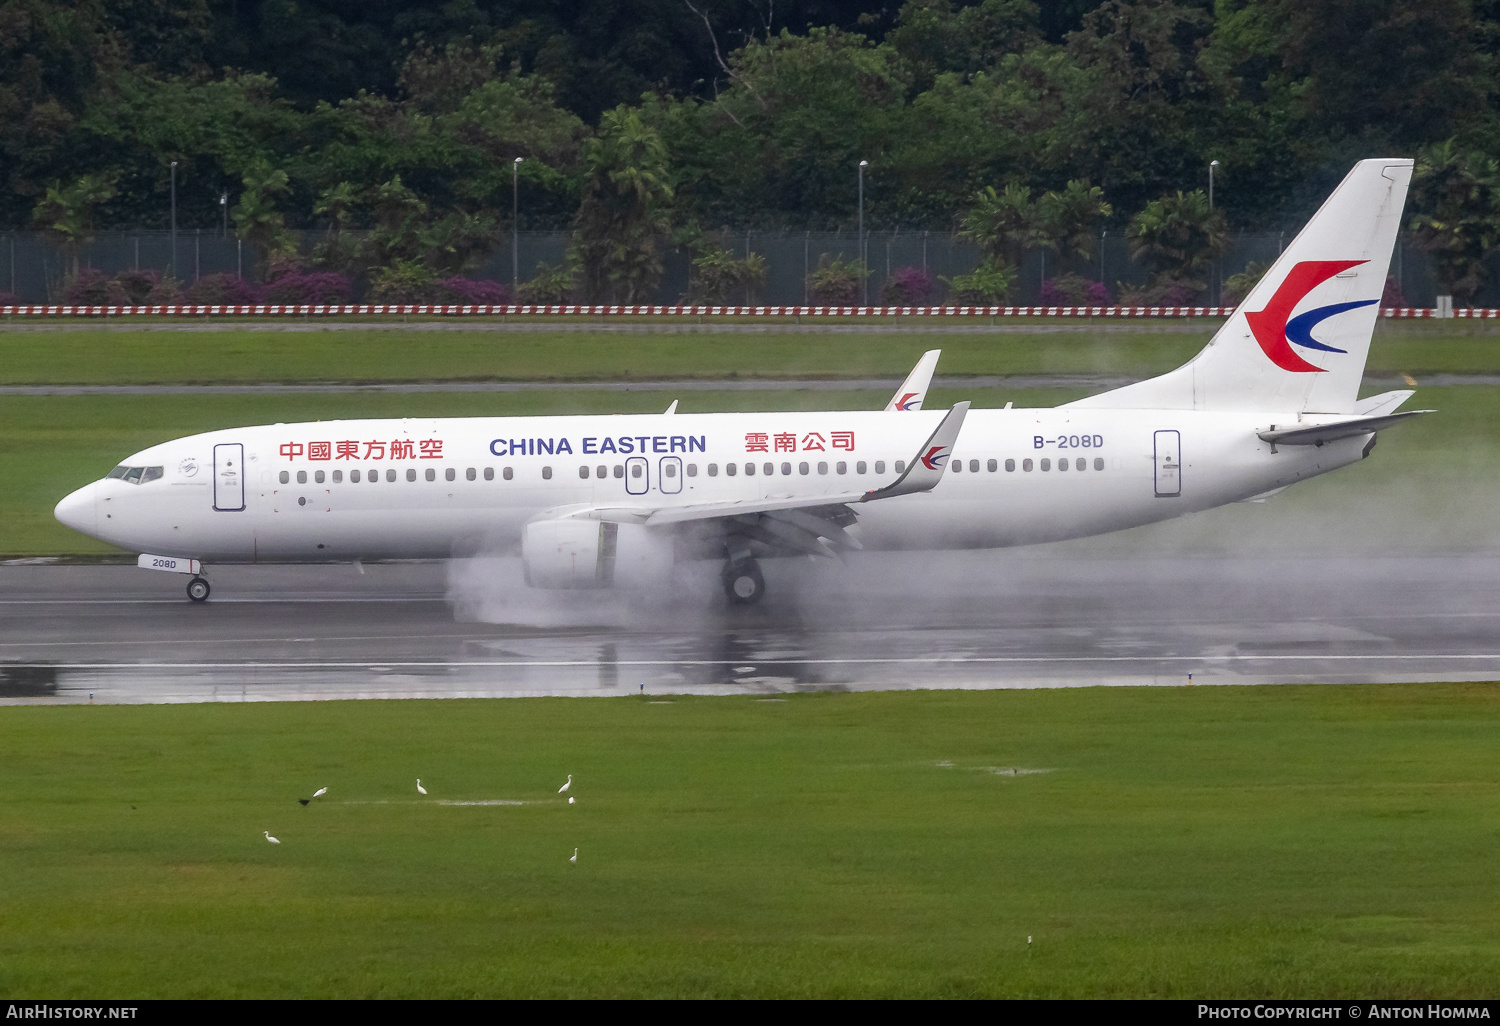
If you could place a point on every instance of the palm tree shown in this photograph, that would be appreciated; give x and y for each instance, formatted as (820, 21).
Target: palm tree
(1177, 235)
(626, 207)
(1457, 198)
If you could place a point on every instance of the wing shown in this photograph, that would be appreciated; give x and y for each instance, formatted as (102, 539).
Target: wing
(1321, 433)
(810, 523)
(914, 389)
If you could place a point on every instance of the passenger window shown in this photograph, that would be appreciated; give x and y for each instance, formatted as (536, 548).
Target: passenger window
(879, 467)
(670, 470)
(822, 468)
(470, 474)
(770, 468)
(749, 469)
(411, 473)
(390, 475)
(619, 470)
(431, 474)
(117, 473)
(338, 477)
(601, 472)
(318, 477)
(1098, 463)
(731, 469)
(151, 474)
(449, 474)
(354, 477)
(786, 468)
(1081, 464)
(374, 476)
(1026, 466)
(692, 470)
(974, 466)
(1010, 466)
(803, 468)
(1046, 465)
(284, 477)
(958, 466)
(302, 477)
(635, 470)
(993, 466)
(713, 469)
(859, 468)
(489, 473)
(841, 467)
(546, 473)
(900, 466)
(1062, 464)
(583, 472)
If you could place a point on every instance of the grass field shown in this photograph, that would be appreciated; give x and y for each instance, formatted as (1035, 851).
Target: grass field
(1429, 484)
(97, 355)
(1232, 842)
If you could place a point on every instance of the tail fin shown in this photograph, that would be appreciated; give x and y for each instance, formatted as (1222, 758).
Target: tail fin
(914, 389)
(1330, 279)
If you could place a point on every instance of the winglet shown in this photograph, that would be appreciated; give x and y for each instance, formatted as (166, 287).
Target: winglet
(914, 389)
(926, 470)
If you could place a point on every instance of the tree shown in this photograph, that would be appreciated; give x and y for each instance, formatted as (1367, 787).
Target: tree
(627, 196)
(1006, 224)
(1067, 219)
(66, 213)
(256, 218)
(1177, 235)
(1456, 195)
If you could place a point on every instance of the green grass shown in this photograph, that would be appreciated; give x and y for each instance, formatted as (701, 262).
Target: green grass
(1233, 842)
(1428, 484)
(104, 356)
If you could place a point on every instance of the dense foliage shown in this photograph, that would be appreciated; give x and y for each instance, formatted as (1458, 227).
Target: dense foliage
(393, 127)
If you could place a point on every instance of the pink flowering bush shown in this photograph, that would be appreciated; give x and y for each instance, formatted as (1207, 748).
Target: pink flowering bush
(471, 292)
(222, 290)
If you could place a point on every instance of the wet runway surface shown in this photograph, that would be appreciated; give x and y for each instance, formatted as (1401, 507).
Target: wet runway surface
(1025, 618)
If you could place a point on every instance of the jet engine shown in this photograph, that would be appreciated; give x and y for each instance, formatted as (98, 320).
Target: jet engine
(574, 554)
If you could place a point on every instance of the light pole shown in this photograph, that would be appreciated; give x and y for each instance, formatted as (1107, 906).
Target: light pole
(515, 228)
(224, 209)
(174, 218)
(1214, 261)
(863, 269)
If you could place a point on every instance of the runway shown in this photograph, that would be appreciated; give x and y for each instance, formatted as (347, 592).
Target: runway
(1025, 618)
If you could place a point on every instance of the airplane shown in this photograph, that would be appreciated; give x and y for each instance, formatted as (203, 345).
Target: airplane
(591, 501)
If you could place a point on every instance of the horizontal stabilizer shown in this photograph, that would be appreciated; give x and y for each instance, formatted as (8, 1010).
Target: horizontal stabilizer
(1322, 433)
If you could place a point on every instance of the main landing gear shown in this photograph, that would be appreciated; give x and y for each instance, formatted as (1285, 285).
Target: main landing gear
(743, 584)
(197, 589)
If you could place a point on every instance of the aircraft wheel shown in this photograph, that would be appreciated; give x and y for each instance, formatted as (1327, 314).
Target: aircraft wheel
(743, 584)
(197, 589)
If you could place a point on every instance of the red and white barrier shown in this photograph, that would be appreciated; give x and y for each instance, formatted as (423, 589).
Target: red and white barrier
(438, 310)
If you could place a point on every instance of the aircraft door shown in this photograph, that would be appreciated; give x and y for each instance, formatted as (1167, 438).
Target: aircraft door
(229, 477)
(637, 475)
(1168, 464)
(669, 475)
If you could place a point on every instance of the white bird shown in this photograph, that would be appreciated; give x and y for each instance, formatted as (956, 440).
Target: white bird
(269, 837)
(575, 856)
(320, 792)
(420, 788)
(570, 799)
(569, 784)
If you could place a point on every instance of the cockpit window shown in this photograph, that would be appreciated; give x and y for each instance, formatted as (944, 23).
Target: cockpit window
(136, 475)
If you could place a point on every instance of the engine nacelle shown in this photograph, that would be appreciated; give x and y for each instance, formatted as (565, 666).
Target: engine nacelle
(575, 554)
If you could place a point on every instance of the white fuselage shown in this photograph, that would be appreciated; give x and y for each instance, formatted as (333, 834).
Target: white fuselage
(440, 487)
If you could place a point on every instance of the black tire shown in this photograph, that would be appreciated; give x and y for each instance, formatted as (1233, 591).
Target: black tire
(197, 589)
(743, 583)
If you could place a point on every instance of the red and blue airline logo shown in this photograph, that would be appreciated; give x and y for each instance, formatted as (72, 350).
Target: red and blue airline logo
(1277, 330)
(904, 403)
(933, 458)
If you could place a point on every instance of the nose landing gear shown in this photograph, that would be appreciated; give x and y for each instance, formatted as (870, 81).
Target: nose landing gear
(197, 589)
(743, 583)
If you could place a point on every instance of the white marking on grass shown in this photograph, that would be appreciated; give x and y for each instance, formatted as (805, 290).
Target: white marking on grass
(486, 801)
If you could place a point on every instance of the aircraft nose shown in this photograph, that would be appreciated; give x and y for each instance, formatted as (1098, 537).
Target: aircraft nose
(79, 510)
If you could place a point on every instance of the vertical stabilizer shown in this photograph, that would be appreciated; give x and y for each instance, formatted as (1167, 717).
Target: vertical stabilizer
(1299, 340)
(914, 389)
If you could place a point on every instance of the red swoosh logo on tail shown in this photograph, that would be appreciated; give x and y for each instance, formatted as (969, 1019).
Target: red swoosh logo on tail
(935, 453)
(1269, 325)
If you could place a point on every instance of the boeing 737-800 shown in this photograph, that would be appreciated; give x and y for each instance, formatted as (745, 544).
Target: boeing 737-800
(587, 501)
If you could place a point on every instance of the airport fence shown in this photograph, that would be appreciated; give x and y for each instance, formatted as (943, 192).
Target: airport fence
(33, 269)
